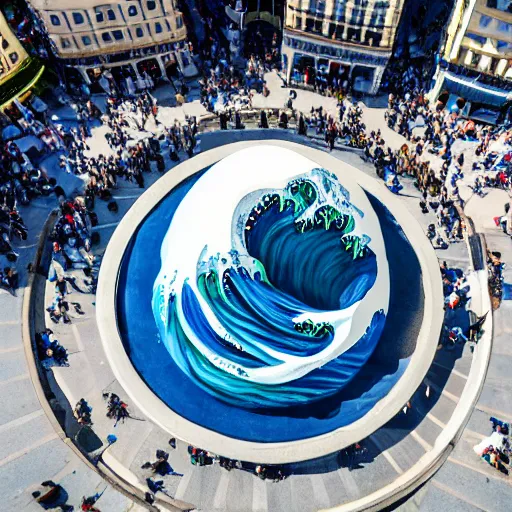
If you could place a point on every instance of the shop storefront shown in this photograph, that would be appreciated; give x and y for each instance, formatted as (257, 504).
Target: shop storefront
(159, 62)
(306, 59)
(477, 101)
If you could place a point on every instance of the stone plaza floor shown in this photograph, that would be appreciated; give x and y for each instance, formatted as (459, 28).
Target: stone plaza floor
(30, 450)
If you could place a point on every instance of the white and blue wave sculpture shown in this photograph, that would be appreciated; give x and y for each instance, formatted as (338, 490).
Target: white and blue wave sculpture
(274, 284)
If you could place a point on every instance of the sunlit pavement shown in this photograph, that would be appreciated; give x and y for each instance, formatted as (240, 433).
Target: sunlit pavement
(31, 452)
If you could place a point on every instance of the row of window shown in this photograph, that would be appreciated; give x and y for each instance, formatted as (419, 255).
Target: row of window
(377, 21)
(115, 35)
(78, 17)
(501, 26)
(502, 5)
(357, 13)
(500, 45)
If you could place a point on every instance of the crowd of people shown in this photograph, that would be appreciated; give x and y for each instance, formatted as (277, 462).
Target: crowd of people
(495, 449)
(431, 133)
(49, 350)
(436, 132)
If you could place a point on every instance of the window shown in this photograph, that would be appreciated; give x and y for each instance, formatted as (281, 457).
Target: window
(502, 5)
(111, 15)
(64, 42)
(158, 28)
(13, 57)
(373, 38)
(504, 27)
(139, 32)
(118, 35)
(478, 39)
(484, 21)
(503, 45)
(151, 5)
(78, 18)
(55, 20)
(99, 17)
(378, 18)
(357, 16)
(132, 10)
(86, 40)
(179, 22)
(353, 34)
(5, 43)
(317, 6)
(340, 10)
(106, 37)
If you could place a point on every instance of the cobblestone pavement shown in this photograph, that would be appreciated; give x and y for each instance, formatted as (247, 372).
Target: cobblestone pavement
(30, 451)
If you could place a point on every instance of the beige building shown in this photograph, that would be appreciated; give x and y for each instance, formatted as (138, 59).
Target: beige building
(476, 61)
(351, 40)
(130, 35)
(12, 53)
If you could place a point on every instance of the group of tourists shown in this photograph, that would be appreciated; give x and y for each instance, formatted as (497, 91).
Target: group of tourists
(437, 133)
(26, 137)
(200, 457)
(224, 87)
(225, 90)
(496, 448)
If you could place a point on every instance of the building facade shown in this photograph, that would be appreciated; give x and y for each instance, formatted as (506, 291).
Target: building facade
(351, 40)
(12, 53)
(129, 37)
(475, 64)
(18, 70)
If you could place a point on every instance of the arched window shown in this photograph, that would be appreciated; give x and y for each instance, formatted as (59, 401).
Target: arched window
(78, 18)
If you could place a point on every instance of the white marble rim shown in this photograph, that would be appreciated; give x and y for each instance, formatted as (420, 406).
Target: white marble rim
(281, 452)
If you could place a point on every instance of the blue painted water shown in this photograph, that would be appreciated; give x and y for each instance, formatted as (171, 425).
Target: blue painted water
(298, 266)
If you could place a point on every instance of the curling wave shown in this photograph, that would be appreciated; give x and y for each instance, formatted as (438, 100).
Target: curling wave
(261, 295)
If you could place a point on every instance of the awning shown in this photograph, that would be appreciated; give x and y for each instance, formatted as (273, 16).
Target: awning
(472, 90)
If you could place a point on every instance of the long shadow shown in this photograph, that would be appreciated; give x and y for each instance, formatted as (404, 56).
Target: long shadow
(61, 408)
(437, 377)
